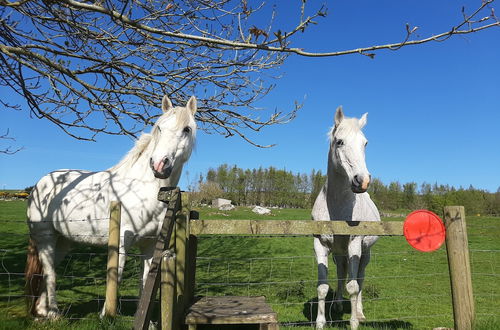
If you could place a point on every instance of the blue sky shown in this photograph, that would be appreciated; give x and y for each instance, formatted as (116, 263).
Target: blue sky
(434, 109)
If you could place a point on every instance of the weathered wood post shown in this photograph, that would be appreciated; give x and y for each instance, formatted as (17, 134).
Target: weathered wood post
(459, 265)
(113, 255)
(167, 291)
(191, 260)
(180, 267)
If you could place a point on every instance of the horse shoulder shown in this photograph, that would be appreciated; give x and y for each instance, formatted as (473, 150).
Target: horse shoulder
(365, 209)
(320, 208)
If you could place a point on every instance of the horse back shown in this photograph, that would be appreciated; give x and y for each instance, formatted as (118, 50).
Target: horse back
(75, 204)
(49, 193)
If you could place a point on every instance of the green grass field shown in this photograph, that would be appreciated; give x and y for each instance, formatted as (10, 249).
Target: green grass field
(404, 289)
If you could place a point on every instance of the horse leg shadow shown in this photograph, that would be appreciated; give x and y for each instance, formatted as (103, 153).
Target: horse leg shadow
(334, 316)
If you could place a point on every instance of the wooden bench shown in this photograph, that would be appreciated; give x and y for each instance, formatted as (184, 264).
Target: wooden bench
(253, 312)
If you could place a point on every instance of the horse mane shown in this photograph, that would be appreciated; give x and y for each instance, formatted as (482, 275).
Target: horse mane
(183, 117)
(133, 155)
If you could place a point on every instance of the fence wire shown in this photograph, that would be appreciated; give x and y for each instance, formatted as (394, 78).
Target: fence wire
(402, 288)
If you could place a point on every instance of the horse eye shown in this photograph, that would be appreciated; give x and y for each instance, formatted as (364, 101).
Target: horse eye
(186, 130)
(340, 142)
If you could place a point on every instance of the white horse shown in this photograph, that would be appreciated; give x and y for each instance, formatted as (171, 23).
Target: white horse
(344, 197)
(69, 206)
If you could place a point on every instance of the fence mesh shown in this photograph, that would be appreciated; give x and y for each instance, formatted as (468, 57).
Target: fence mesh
(403, 287)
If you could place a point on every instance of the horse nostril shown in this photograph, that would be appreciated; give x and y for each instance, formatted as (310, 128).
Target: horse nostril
(356, 179)
(166, 162)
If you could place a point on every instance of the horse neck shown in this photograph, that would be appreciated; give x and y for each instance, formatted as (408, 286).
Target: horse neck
(340, 198)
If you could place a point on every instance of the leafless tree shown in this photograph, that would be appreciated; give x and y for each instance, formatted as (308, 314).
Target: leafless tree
(8, 150)
(102, 66)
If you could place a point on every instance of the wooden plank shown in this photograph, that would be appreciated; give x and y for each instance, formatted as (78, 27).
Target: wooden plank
(231, 310)
(143, 315)
(295, 227)
(459, 265)
(113, 255)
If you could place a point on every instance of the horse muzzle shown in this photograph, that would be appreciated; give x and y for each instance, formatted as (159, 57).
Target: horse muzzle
(360, 183)
(161, 169)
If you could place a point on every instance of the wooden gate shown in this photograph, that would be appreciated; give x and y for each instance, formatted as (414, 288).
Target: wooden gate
(174, 264)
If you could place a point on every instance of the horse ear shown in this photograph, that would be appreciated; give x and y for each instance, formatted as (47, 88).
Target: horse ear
(339, 116)
(363, 120)
(191, 105)
(166, 104)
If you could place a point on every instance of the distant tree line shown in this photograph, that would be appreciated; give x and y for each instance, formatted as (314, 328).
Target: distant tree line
(282, 188)
(262, 186)
(433, 197)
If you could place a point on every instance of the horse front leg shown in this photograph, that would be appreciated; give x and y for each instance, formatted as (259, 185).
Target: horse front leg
(365, 259)
(352, 287)
(321, 253)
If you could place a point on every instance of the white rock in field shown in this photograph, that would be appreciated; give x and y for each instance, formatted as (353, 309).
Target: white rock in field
(218, 202)
(261, 210)
(226, 207)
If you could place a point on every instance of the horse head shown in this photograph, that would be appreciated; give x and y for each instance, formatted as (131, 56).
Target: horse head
(173, 136)
(347, 150)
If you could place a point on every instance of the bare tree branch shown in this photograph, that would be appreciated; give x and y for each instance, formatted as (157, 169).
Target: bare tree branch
(103, 66)
(8, 150)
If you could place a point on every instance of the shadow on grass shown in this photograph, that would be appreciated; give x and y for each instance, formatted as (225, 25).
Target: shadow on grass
(127, 306)
(335, 318)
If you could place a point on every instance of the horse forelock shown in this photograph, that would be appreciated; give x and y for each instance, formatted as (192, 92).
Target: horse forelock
(346, 128)
(183, 117)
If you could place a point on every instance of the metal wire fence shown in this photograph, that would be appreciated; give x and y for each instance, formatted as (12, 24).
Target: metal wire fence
(403, 287)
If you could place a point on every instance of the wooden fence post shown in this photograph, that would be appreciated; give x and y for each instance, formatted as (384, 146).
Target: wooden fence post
(191, 260)
(459, 265)
(113, 255)
(180, 267)
(167, 291)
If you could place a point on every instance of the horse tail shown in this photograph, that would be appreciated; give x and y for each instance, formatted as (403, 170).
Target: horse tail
(34, 277)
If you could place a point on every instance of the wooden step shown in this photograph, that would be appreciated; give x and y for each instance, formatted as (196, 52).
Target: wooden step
(232, 310)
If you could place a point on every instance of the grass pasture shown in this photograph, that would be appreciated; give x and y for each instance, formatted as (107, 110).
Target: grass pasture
(404, 288)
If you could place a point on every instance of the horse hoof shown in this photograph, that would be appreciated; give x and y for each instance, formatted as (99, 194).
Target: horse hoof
(320, 323)
(41, 315)
(53, 315)
(354, 324)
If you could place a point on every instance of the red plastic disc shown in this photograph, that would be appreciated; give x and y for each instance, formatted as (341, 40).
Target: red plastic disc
(424, 230)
